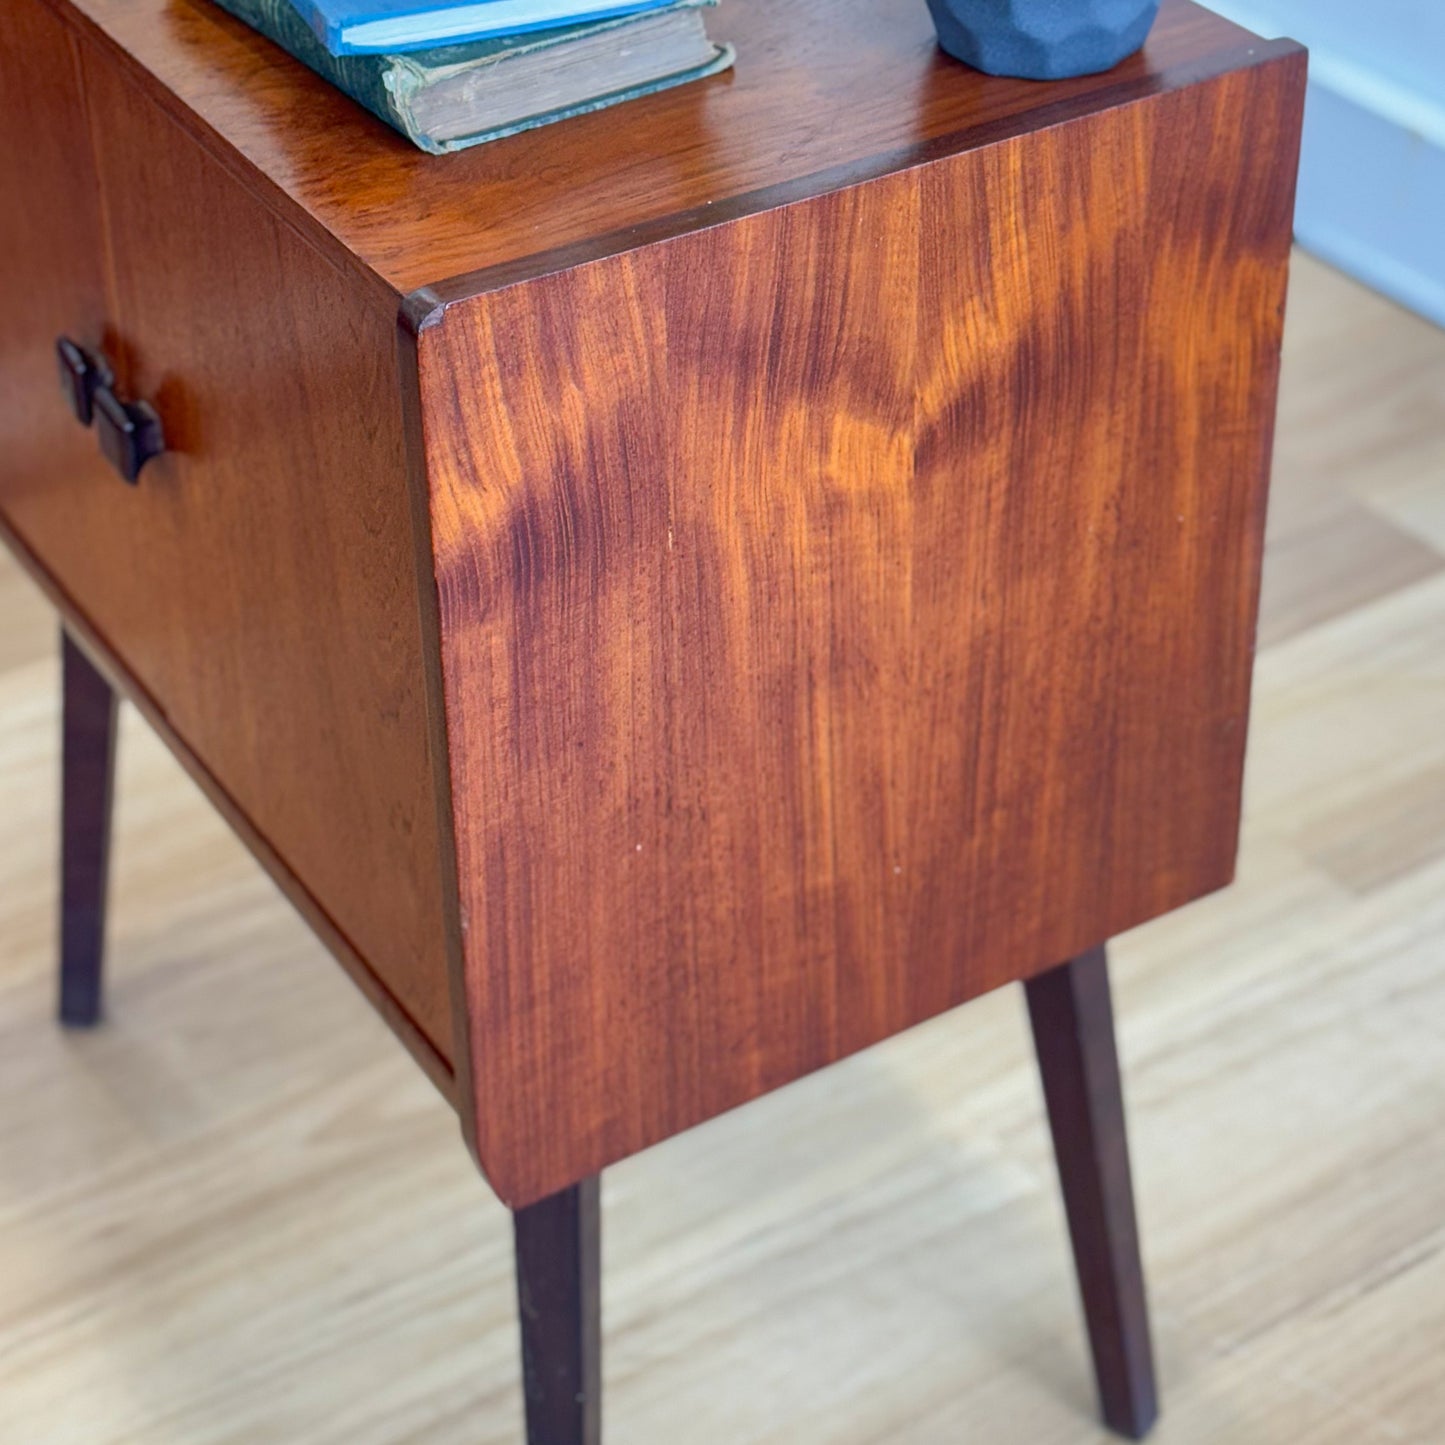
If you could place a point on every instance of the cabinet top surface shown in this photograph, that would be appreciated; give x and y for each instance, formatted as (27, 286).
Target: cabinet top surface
(824, 91)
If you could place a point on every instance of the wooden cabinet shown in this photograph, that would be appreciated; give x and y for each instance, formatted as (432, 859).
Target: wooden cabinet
(835, 587)
(677, 597)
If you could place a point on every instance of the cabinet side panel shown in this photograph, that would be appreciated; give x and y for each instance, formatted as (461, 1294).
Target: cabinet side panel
(850, 609)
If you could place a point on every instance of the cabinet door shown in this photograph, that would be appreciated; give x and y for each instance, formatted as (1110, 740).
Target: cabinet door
(258, 582)
(52, 285)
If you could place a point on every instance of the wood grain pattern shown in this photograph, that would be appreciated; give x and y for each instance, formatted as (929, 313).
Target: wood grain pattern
(259, 583)
(850, 608)
(819, 84)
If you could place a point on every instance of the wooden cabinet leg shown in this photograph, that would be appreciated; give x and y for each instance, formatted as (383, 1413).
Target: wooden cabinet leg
(559, 1300)
(87, 778)
(1073, 1024)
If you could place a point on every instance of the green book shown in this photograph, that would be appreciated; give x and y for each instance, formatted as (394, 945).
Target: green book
(460, 95)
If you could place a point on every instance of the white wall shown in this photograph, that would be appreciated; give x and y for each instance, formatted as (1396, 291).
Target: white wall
(1372, 177)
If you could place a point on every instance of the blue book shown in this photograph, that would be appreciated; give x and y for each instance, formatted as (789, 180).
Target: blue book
(460, 95)
(392, 27)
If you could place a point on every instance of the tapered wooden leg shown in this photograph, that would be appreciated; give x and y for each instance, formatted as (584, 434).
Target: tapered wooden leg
(559, 1299)
(87, 774)
(1073, 1024)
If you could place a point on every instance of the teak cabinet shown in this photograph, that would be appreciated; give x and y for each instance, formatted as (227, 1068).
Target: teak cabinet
(675, 597)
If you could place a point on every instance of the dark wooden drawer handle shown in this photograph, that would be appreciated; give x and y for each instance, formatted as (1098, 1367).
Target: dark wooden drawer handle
(130, 432)
(81, 372)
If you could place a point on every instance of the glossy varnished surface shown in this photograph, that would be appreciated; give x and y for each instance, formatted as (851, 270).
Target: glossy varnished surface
(818, 84)
(849, 609)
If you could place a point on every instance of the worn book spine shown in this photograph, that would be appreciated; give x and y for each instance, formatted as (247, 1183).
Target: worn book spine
(384, 84)
(362, 77)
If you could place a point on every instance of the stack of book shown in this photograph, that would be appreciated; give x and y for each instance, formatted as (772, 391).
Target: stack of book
(454, 73)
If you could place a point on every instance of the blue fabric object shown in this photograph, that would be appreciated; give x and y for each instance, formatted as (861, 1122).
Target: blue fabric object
(1042, 39)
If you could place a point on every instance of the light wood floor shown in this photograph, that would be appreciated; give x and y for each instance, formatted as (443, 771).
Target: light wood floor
(239, 1214)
